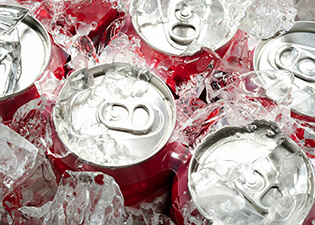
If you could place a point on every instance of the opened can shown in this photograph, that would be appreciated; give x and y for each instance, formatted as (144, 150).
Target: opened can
(245, 175)
(119, 123)
(295, 52)
(25, 54)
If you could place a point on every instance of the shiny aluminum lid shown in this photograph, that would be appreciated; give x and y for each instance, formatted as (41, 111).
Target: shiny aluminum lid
(123, 116)
(35, 50)
(171, 26)
(251, 175)
(295, 52)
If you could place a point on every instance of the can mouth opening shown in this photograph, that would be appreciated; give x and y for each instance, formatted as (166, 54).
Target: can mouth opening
(122, 130)
(240, 171)
(183, 34)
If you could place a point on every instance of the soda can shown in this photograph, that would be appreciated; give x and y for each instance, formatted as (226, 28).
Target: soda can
(119, 123)
(252, 174)
(295, 52)
(179, 24)
(28, 56)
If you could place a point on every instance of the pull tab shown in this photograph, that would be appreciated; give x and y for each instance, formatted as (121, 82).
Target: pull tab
(260, 178)
(127, 116)
(298, 60)
(184, 25)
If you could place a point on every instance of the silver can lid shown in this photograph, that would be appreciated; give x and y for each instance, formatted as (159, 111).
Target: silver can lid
(35, 50)
(251, 175)
(171, 26)
(295, 52)
(125, 116)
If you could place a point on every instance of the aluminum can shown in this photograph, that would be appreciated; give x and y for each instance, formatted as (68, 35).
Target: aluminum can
(295, 52)
(245, 175)
(35, 53)
(179, 25)
(164, 41)
(120, 125)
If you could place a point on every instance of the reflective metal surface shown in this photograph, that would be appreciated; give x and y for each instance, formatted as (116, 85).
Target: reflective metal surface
(121, 118)
(171, 26)
(35, 52)
(251, 169)
(294, 51)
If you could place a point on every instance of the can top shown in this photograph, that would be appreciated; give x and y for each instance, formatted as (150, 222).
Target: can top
(35, 50)
(124, 117)
(171, 26)
(250, 175)
(295, 52)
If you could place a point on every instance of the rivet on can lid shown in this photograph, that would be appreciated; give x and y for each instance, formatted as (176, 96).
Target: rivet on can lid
(125, 117)
(245, 175)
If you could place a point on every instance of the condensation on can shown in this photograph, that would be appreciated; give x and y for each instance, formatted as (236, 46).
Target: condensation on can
(245, 171)
(178, 26)
(35, 57)
(295, 52)
(128, 113)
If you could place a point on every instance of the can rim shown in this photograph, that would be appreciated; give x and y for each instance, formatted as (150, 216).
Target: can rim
(228, 131)
(32, 22)
(99, 71)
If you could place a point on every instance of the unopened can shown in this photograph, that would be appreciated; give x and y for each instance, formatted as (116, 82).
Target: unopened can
(119, 123)
(177, 40)
(295, 52)
(171, 26)
(245, 175)
(35, 52)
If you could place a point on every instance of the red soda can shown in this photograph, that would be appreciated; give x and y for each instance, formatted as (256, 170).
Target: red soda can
(244, 175)
(177, 39)
(170, 27)
(295, 52)
(119, 123)
(23, 59)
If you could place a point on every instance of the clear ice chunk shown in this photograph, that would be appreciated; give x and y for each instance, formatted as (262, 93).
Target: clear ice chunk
(17, 157)
(86, 198)
(10, 49)
(10, 65)
(276, 84)
(26, 176)
(304, 101)
(10, 17)
(267, 19)
(32, 121)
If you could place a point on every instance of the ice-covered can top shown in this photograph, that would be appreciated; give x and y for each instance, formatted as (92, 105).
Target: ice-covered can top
(251, 175)
(25, 50)
(121, 117)
(295, 52)
(171, 26)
